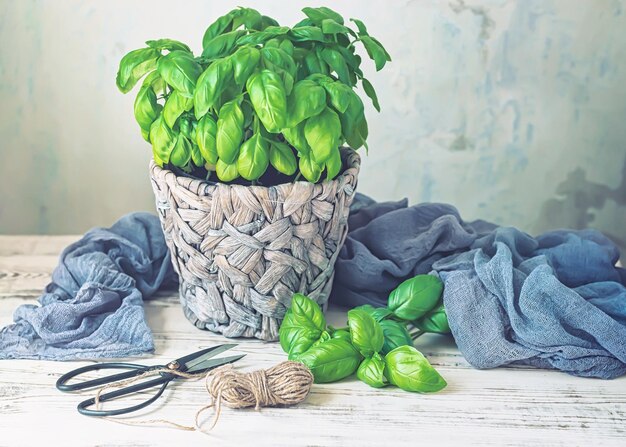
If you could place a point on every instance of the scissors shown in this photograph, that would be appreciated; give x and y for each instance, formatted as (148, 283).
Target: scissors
(196, 363)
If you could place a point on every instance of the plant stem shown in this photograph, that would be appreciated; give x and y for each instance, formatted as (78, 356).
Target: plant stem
(416, 334)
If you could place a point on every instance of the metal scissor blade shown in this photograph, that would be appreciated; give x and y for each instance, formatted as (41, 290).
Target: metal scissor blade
(214, 363)
(189, 361)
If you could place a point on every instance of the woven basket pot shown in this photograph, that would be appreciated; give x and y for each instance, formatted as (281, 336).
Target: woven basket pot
(241, 252)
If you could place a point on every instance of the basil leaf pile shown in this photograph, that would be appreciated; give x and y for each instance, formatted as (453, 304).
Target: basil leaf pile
(259, 98)
(376, 343)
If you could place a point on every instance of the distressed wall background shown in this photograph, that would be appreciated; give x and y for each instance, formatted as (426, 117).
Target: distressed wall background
(514, 111)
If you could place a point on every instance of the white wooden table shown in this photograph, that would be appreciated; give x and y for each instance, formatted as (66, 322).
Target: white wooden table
(496, 407)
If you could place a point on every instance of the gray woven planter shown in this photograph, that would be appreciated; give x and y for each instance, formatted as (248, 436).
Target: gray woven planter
(242, 251)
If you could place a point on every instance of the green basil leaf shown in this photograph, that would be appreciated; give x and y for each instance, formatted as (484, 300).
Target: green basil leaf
(361, 26)
(409, 370)
(222, 45)
(375, 51)
(330, 361)
(167, 44)
(222, 24)
(322, 339)
(245, 61)
(366, 333)
(226, 172)
(206, 139)
(333, 164)
(196, 155)
(369, 91)
(283, 158)
(330, 26)
(309, 168)
(315, 64)
(162, 139)
(281, 63)
(260, 37)
(181, 153)
(322, 132)
(337, 63)
(295, 137)
(371, 371)
(181, 71)
(229, 132)
(287, 47)
(175, 105)
(211, 85)
(414, 297)
(343, 334)
(307, 99)
(318, 15)
(379, 313)
(435, 321)
(339, 95)
(253, 157)
(302, 326)
(249, 17)
(146, 108)
(134, 66)
(307, 33)
(267, 22)
(353, 123)
(269, 99)
(395, 334)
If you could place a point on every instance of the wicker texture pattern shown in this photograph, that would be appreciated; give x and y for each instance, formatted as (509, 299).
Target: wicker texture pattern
(242, 251)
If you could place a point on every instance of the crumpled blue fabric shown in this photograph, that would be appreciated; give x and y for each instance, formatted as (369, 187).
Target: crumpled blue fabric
(93, 307)
(556, 301)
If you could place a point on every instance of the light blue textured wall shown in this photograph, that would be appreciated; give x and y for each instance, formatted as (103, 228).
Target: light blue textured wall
(514, 111)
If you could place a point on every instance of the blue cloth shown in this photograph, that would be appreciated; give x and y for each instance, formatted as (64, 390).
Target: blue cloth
(556, 301)
(93, 307)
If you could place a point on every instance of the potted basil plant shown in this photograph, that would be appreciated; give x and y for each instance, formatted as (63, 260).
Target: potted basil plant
(254, 164)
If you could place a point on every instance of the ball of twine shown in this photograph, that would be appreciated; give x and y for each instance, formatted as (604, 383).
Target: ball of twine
(285, 384)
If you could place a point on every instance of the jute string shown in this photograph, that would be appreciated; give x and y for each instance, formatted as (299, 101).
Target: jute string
(285, 384)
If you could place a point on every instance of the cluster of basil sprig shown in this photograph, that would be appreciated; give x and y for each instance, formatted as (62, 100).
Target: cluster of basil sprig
(260, 97)
(376, 344)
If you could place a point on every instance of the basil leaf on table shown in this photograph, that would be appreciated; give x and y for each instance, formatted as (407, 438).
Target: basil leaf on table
(322, 132)
(135, 65)
(395, 334)
(365, 332)
(206, 138)
(302, 326)
(180, 70)
(343, 334)
(435, 321)
(229, 132)
(210, 86)
(379, 313)
(269, 99)
(253, 157)
(371, 371)
(332, 360)
(409, 370)
(414, 297)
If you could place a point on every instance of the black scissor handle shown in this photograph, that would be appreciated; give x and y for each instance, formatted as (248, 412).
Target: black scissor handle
(136, 370)
(163, 380)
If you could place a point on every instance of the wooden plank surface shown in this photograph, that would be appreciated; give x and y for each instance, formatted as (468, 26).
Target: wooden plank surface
(506, 406)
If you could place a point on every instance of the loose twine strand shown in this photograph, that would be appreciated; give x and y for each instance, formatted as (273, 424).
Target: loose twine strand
(285, 384)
